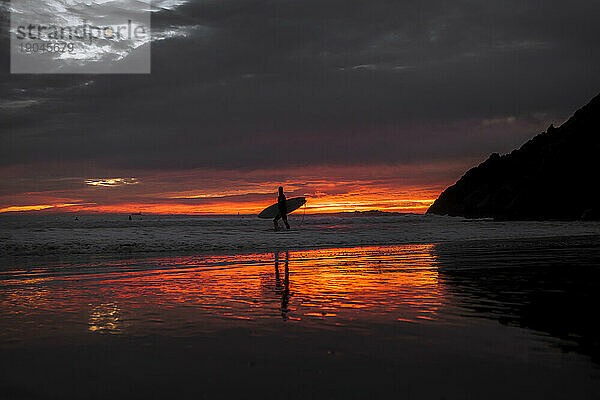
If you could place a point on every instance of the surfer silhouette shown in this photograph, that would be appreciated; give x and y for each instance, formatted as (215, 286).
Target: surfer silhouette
(282, 210)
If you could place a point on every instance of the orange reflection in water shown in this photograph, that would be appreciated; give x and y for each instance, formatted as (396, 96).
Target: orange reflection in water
(351, 287)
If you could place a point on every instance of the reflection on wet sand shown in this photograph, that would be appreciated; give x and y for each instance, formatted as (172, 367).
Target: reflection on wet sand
(285, 292)
(382, 321)
(185, 295)
(549, 286)
(105, 318)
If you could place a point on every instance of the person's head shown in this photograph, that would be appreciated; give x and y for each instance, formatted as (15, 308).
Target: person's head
(280, 189)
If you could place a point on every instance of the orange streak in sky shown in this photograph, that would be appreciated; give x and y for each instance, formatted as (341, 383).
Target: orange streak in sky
(35, 208)
(372, 189)
(315, 205)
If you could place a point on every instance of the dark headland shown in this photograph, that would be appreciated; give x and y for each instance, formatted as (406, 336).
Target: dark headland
(555, 175)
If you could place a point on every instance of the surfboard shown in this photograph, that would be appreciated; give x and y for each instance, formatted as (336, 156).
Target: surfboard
(290, 204)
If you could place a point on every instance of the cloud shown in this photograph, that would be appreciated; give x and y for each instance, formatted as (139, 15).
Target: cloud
(111, 182)
(277, 85)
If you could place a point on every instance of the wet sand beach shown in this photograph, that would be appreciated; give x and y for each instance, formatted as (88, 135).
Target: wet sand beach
(459, 319)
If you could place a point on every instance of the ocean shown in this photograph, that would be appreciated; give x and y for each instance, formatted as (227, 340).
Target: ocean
(114, 235)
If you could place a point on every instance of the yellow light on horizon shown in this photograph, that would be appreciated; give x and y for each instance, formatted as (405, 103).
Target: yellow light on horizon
(36, 207)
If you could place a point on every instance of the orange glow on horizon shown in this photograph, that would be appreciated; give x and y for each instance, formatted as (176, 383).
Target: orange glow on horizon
(198, 192)
(314, 205)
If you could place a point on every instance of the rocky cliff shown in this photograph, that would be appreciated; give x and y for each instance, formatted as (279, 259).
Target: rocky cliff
(555, 175)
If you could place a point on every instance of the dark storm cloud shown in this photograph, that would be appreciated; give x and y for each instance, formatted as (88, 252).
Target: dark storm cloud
(254, 84)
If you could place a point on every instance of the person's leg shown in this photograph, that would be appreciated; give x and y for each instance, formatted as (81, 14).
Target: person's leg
(275, 224)
(284, 217)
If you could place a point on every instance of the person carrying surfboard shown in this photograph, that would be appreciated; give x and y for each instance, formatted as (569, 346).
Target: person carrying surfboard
(282, 210)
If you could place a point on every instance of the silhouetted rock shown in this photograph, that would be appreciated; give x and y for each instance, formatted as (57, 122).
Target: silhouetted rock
(552, 176)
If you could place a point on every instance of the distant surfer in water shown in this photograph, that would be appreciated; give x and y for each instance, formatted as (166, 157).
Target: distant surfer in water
(282, 210)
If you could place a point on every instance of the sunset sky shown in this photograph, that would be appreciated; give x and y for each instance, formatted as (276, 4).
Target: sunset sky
(357, 105)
